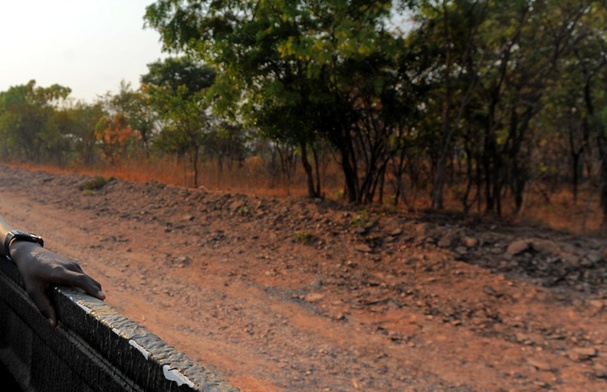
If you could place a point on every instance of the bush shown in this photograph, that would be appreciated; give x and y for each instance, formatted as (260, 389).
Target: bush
(304, 238)
(94, 184)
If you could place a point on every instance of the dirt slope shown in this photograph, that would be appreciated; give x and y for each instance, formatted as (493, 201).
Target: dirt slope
(298, 295)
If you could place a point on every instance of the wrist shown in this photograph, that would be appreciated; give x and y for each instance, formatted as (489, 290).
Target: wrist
(15, 237)
(19, 250)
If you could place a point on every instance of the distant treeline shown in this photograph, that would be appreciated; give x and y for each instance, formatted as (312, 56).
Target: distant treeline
(476, 100)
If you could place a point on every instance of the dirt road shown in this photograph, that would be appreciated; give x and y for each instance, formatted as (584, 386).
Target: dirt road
(299, 295)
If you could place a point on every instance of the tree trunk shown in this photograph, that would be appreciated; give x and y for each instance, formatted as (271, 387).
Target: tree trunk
(195, 149)
(601, 141)
(602, 147)
(438, 184)
(312, 192)
(342, 140)
(317, 165)
(350, 177)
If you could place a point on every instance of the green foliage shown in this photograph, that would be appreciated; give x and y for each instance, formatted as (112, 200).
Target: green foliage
(476, 98)
(362, 220)
(389, 206)
(244, 210)
(305, 238)
(78, 124)
(299, 72)
(497, 61)
(29, 127)
(136, 107)
(339, 194)
(177, 91)
(175, 73)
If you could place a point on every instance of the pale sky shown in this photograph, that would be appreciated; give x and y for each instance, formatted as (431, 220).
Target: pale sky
(89, 46)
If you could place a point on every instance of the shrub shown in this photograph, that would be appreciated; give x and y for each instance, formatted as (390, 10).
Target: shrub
(94, 184)
(303, 237)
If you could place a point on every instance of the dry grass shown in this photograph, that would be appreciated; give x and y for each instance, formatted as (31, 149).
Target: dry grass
(560, 212)
(557, 211)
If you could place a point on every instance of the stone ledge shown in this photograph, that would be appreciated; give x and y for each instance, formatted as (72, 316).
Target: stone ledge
(93, 348)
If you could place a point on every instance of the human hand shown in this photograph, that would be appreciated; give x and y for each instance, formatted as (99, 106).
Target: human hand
(42, 269)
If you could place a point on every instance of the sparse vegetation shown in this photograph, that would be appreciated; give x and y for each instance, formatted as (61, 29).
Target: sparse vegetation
(244, 210)
(362, 220)
(452, 114)
(433, 278)
(305, 238)
(94, 184)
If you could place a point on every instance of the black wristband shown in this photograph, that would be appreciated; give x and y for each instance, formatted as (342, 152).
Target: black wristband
(19, 235)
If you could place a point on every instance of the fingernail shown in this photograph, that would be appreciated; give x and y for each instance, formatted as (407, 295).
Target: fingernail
(52, 322)
(100, 294)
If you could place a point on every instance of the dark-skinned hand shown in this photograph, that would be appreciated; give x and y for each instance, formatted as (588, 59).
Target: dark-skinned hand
(42, 269)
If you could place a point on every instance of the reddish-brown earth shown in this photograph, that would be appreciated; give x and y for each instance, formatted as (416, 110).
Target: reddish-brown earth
(300, 295)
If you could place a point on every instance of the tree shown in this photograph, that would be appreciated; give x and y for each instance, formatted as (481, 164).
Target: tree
(227, 143)
(26, 120)
(137, 107)
(448, 32)
(177, 89)
(298, 71)
(114, 136)
(496, 77)
(590, 64)
(79, 123)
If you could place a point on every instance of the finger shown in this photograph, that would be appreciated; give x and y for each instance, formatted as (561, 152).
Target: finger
(82, 281)
(44, 305)
(74, 266)
(92, 287)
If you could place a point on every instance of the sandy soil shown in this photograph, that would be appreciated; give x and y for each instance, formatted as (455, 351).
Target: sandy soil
(302, 295)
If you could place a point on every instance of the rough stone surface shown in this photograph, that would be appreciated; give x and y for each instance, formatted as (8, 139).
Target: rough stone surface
(408, 316)
(93, 349)
(518, 246)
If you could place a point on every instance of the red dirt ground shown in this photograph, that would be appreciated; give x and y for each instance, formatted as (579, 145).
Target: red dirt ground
(300, 295)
